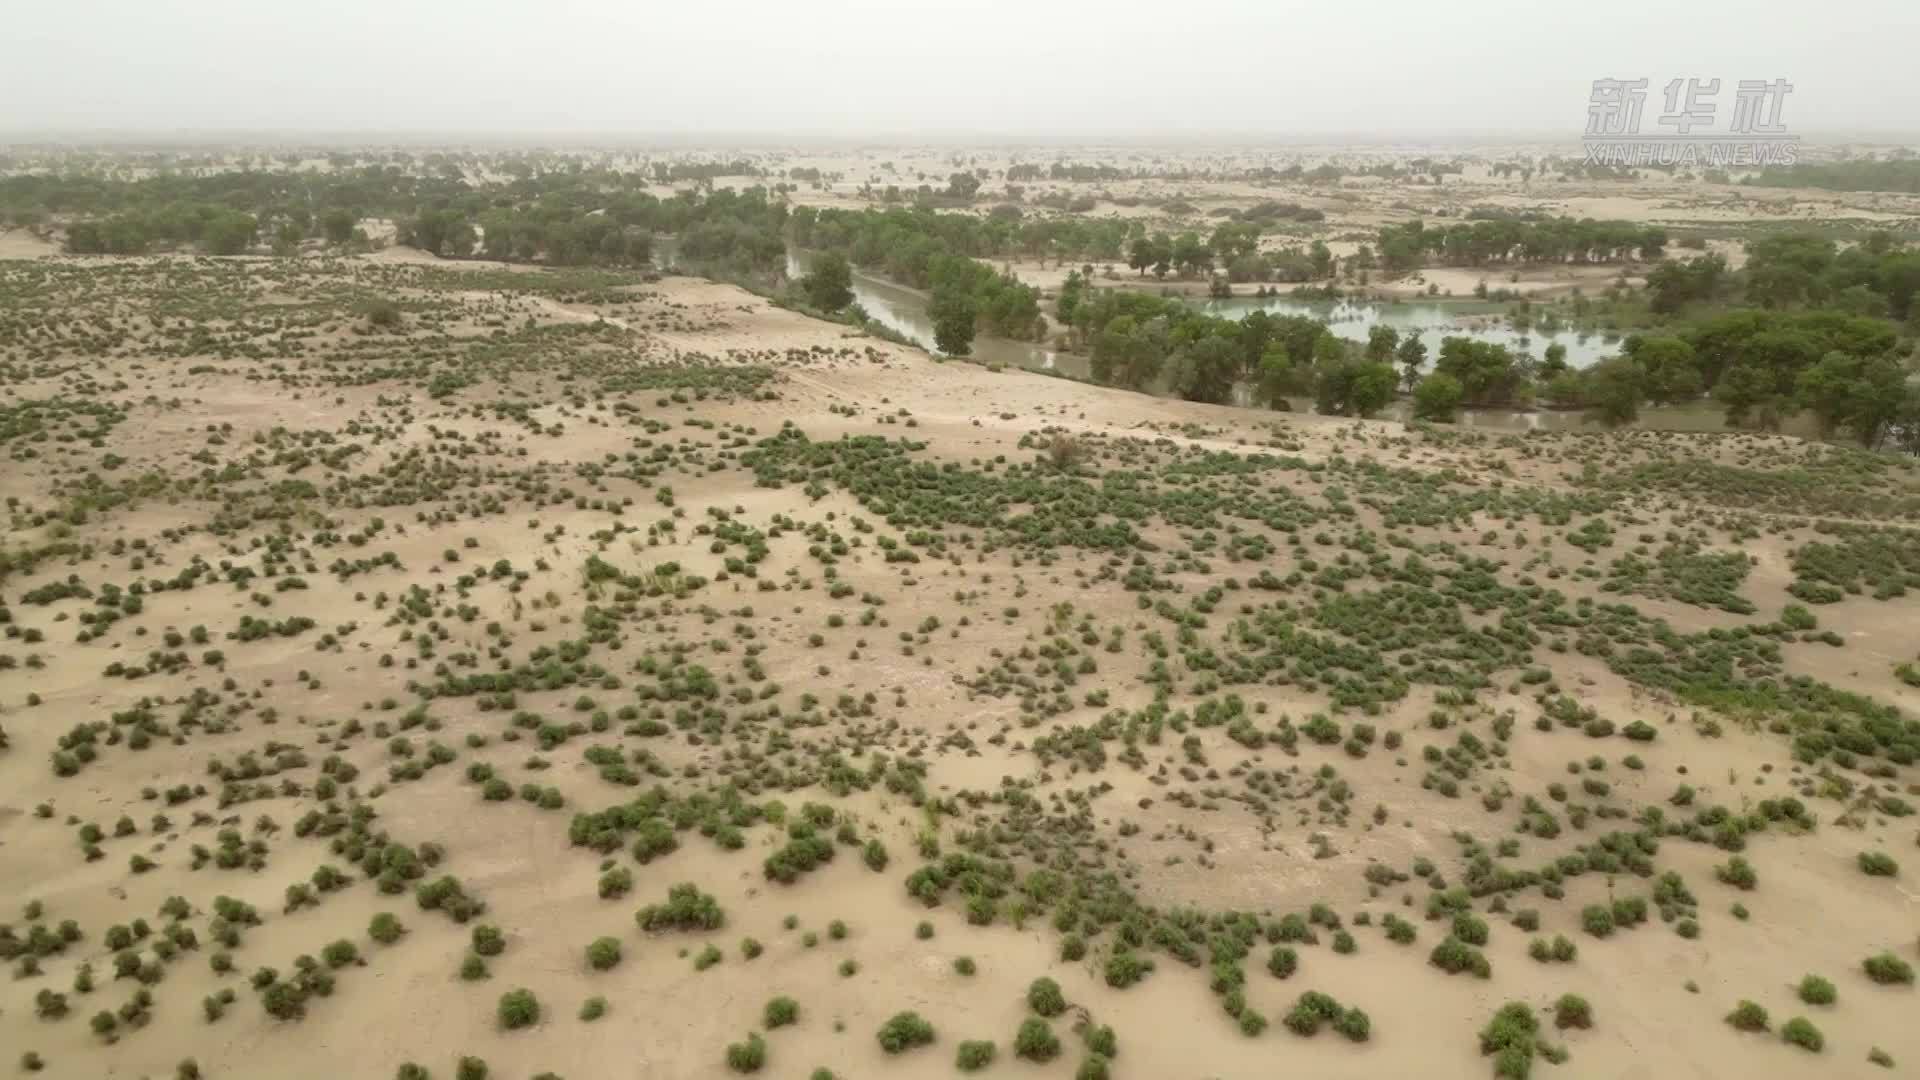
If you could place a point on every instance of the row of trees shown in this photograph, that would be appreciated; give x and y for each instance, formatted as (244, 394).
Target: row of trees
(1481, 243)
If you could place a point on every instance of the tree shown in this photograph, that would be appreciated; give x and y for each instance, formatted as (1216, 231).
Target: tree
(1671, 372)
(1555, 361)
(337, 226)
(1276, 378)
(1381, 341)
(1141, 254)
(953, 316)
(1070, 292)
(830, 285)
(1614, 389)
(1191, 254)
(1437, 398)
(1355, 387)
(1412, 355)
(1204, 370)
(962, 185)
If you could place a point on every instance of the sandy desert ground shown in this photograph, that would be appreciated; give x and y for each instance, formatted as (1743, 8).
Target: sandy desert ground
(357, 678)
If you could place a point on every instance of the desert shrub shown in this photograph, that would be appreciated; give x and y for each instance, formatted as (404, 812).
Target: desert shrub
(1283, 961)
(488, 940)
(1309, 1011)
(603, 954)
(1036, 1041)
(385, 928)
(1815, 990)
(686, 908)
(1572, 1010)
(706, 957)
(473, 967)
(1094, 1067)
(1878, 864)
(1511, 1038)
(1044, 997)
(1470, 928)
(1354, 1024)
(974, 1055)
(904, 1031)
(1748, 1016)
(1737, 872)
(1101, 1040)
(964, 965)
(1888, 969)
(593, 1008)
(1126, 967)
(748, 1056)
(1800, 1032)
(518, 1009)
(470, 1068)
(780, 1012)
(1454, 956)
(1596, 920)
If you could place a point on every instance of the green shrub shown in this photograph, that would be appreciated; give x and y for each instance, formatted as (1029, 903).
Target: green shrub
(1596, 920)
(1036, 1041)
(1878, 864)
(1815, 990)
(488, 940)
(593, 1008)
(1747, 1016)
(748, 1056)
(1126, 967)
(1737, 872)
(1101, 1040)
(1800, 1032)
(1093, 1067)
(1354, 1024)
(518, 1009)
(1312, 1009)
(780, 1012)
(603, 954)
(385, 928)
(686, 908)
(1044, 997)
(1888, 969)
(1283, 961)
(1572, 1010)
(470, 1068)
(974, 1055)
(904, 1031)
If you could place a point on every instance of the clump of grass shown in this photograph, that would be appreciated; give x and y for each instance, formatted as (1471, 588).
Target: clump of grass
(593, 1008)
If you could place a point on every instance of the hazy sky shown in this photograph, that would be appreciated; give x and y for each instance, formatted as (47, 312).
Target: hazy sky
(1062, 67)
